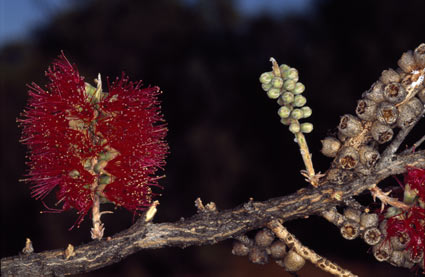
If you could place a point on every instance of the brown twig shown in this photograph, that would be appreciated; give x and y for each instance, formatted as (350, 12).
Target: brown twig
(200, 229)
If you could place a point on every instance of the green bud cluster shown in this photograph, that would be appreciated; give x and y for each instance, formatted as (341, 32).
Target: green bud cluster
(283, 85)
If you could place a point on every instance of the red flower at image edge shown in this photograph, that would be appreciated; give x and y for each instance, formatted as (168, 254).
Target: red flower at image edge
(83, 141)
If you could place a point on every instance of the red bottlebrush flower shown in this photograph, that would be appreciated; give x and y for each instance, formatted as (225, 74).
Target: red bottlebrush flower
(93, 145)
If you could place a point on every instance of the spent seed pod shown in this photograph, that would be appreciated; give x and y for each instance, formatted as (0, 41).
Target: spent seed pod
(397, 258)
(240, 249)
(381, 133)
(264, 238)
(406, 116)
(416, 105)
(407, 62)
(387, 113)
(366, 109)
(389, 76)
(278, 249)
(419, 55)
(411, 256)
(368, 155)
(368, 220)
(382, 251)
(350, 126)
(400, 241)
(266, 77)
(352, 214)
(293, 261)
(376, 92)
(350, 230)
(338, 176)
(372, 236)
(258, 256)
(394, 93)
(330, 146)
(348, 157)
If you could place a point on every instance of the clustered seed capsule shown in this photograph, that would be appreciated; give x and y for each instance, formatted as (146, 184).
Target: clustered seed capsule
(382, 251)
(350, 125)
(330, 146)
(348, 157)
(264, 238)
(293, 261)
(389, 76)
(368, 155)
(350, 230)
(387, 113)
(372, 236)
(366, 109)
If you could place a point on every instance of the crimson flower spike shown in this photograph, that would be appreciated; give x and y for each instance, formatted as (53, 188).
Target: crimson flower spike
(92, 146)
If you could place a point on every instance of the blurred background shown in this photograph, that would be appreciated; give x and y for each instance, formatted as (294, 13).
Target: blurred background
(224, 133)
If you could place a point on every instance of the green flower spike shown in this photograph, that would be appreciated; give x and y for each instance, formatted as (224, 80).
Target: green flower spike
(282, 84)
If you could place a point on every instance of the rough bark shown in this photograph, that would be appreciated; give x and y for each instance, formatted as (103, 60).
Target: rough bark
(205, 227)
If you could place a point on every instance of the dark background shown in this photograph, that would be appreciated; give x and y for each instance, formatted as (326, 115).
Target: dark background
(225, 137)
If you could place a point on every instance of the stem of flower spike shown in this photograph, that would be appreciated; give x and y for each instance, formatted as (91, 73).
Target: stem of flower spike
(309, 173)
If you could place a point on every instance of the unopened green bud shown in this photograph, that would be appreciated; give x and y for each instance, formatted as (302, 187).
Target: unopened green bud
(289, 85)
(306, 111)
(294, 127)
(266, 77)
(273, 93)
(292, 73)
(306, 127)
(392, 211)
(74, 174)
(297, 114)
(284, 112)
(287, 97)
(277, 82)
(283, 68)
(299, 101)
(299, 88)
(286, 121)
(104, 179)
(266, 87)
(410, 195)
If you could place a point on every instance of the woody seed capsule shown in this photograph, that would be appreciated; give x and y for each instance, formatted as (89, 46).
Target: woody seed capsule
(407, 62)
(382, 251)
(350, 230)
(419, 55)
(389, 76)
(376, 92)
(278, 249)
(397, 258)
(352, 214)
(381, 133)
(372, 236)
(366, 109)
(239, 249)
(350, 125)
(416, 105)
(264, 238)
(258, 256)
(368, 220)
(394, 93)
(293, 261)
(406, 116)
(387, 113)
(348, 157)
(400, 241)
(368, 155)
(330, 146)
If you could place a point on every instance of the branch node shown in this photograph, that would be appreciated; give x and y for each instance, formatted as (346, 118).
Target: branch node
(28, 249)
(69, 252)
